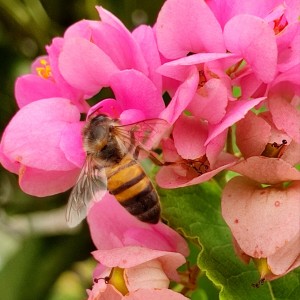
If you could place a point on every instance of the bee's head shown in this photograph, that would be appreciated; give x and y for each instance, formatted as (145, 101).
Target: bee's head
(96, 133)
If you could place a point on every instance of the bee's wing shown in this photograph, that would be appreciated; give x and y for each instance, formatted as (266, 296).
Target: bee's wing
(90, 186)
(145, 134)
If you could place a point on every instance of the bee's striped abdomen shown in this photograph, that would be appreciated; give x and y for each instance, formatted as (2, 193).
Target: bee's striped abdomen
(130, 185)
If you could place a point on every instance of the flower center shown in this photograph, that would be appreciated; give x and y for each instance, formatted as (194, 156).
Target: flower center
(236, 69)
(280, 24)
(44, 70)
(275, 150)
(116, 278)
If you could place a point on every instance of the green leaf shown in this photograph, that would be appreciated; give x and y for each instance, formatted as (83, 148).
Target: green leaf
(195, 211)
(32, 271)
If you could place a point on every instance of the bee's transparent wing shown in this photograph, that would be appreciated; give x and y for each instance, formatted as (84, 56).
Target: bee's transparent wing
(90, 186)
(146, 134)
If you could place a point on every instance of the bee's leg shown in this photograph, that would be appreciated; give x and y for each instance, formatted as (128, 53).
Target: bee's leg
(152, 155)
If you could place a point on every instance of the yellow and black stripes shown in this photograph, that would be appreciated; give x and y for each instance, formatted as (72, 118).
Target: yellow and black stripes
(130, 185)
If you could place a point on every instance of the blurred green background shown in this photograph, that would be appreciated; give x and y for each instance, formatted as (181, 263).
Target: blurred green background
(40, 258)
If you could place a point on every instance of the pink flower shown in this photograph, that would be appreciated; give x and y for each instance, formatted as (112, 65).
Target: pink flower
(136, 273)
(222, 62)
(93, 51)
(42, 144)
(107, 233)
(254, 142)
(46, 81)
(59, 119)
(193, 29)
(196, 162)
(264, 221)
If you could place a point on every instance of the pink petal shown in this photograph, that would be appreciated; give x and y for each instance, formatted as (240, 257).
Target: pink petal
(292, 11)
(252, 135)
(288, 48)
(285, 116)
(249, 84)
(81, 29)
(108, 18)
(284, 259)
(5, 161)
(150, 294)
(183, 28)
(133, 90)
(235, 111)
(215, 147)
(71, 143)
(169, 151)
(248, 36)
(67, 91)
(212, 94)
(29, 88)
(262, 220)
(85, 66)
(117, 41)
(107, 233)
(130, 116)
(292, 154)
(183, 96)
(108, 293)
(226, 9)
(43, 183)
(40, 123)
(108, 107)
(187, 129)
(168, 177)
(266, 170)
(132, 256)
(179, 68)
(146, 39)
(146, 275)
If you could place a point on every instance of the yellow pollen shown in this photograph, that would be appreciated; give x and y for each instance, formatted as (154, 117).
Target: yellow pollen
(44, 70)
(116, 278)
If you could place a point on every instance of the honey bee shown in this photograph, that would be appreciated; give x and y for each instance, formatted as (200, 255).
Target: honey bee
(111, 165)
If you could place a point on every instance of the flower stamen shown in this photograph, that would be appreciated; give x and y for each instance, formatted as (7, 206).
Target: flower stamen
(44, 70)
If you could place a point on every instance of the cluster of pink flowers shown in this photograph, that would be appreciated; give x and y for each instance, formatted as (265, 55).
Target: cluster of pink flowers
(225, 64)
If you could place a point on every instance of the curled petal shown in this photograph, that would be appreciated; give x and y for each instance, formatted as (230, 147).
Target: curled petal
(133, 90)
(108, 106)
(107, 233)
(150, 294)
(252, 135)
(212, 94)
(118, 42)
(187, 129)
(170, 177)
(248, 36)
(235, 112)
(183, 28)
(29, 88)
(266, 170)
(183, 96)
(286, 258)
(146, 275)
(71, 143)
(85, 66)
(145, 37)
(132, 256)
(285, 116)
(43, 183)
(262, 220)
(40, 123)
